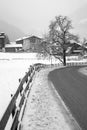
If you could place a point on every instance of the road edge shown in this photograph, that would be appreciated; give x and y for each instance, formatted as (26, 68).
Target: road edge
(64, 108)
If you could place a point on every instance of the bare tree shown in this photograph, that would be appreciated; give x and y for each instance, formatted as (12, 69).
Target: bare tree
(60, 36)
(43, 50)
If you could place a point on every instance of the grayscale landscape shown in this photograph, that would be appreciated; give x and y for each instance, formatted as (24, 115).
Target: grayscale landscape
(43, 65)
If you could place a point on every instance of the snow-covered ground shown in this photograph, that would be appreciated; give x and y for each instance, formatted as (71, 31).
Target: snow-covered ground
(12, 67)
(44, 109)
(10, 72)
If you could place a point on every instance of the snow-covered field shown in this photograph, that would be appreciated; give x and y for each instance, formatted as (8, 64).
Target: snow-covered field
(12, 67)
(10, 72)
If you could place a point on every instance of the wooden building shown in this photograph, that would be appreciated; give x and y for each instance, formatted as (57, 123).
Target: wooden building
(19, 41)
(30, 43)
(13, 47)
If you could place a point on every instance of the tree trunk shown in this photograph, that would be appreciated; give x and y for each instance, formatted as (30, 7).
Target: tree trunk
(64, 57)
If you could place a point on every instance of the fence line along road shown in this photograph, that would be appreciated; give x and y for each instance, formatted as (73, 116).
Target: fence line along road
(69, 64)
(17, 103)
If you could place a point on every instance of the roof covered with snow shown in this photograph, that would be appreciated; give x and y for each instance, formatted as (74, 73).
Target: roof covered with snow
(27, 37)
(13, 45)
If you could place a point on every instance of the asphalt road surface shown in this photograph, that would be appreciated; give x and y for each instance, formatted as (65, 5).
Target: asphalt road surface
(72, 87)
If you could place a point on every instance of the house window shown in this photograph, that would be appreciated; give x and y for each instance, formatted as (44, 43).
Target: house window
(32, 39)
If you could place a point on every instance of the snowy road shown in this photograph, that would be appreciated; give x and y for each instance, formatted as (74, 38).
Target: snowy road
(44, 109)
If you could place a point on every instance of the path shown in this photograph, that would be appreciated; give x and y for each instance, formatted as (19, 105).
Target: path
(44, 109)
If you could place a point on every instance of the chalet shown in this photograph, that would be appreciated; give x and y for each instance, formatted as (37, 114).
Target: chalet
(19, 41)
(1, 42)
(85, 47)
(2, 39)
(13, 47)
(74, 49)
(30, 43)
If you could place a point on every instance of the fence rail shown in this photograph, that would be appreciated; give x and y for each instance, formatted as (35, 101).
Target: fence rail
(69, 64)
(76, 63)
(13, 108)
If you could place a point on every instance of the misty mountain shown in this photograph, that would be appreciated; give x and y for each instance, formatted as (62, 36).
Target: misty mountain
(79, 20)
(12, 31)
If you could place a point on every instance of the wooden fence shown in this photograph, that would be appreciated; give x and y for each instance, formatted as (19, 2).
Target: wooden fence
(69, 64)
(18, 100)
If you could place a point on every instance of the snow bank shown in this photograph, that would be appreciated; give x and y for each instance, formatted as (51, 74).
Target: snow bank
(83, 70)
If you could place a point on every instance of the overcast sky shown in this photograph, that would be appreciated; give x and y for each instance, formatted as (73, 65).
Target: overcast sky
(34, 16)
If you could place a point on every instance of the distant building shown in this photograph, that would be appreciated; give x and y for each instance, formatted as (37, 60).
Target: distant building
(3, 40)
(13, 47)
(74, 49)
(19, 41)
(30, 43)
